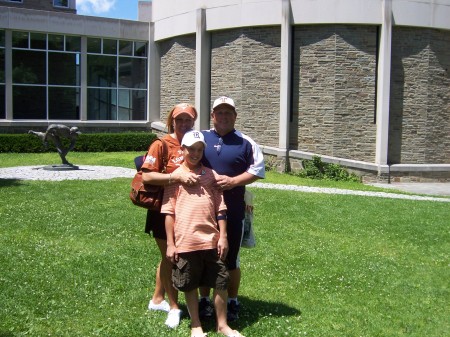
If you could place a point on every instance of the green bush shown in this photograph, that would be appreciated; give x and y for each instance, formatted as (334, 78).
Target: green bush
(86, 142)
(317, 169)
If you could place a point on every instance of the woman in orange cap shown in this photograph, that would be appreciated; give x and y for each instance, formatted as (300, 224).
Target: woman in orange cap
(181, 119)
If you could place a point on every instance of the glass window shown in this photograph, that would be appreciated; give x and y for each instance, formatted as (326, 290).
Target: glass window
(132, 104)
(2, 56)
(29, 102)
(124, 75)
(139, 104)
(2, 102)
(126, 48)
(132, 72)
(20, 39)
(110, 47)
(73, 43)
(62, 68)
(140, 49)
(29, 67)
(2, 76)
(102, 71)
(55, 42)
(63, 103)
(38, 41)
(2, 65)
(102, 104)
(94, 45)
(61, 3)
(124, 105)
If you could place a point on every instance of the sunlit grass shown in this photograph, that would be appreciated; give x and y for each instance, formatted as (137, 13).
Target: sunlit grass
(125, 159)
(76, 262)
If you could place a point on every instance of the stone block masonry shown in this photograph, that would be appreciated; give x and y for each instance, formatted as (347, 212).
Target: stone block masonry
(420, 97)
(245, 65)
(334, 81)
(333, 90)
(177, 72)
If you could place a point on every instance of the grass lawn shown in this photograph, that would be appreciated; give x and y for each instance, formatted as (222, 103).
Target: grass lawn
(75, 262)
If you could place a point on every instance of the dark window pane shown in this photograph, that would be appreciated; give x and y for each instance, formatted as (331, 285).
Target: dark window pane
(132, 72)
(94, 45)
(63, 103)
(126, 48)
(140, 49)
(29, 67)
(20, 39)
(61, 3)
(132, 104)
(62, 69)
(2, 66)
(2, 102)
(102, 104)
(73, 43)
(29, 102)
(56, 42)
(38, 41)
(110, 47)
(125, 105)
(101, 71)
(2, 38)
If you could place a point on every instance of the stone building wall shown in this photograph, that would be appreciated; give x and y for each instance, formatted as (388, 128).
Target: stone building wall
(419, 131)
(177, 73)
(245, 65)
(334, 91)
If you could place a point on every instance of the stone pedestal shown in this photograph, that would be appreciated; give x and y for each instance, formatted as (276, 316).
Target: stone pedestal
(60, 167)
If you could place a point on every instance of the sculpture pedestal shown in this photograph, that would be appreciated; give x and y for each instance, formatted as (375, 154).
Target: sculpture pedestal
(60, 167)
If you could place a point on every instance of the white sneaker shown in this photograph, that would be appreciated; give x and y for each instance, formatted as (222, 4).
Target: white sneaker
(163, 306)
(173, 318)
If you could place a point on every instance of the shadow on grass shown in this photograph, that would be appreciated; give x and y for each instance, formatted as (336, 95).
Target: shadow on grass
(252, 311)
(9, 183)
(6, 334)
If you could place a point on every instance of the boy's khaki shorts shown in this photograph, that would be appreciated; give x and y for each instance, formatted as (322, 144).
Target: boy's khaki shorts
(201, 268)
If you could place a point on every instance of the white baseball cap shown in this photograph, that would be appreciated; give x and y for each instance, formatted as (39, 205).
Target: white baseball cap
(224, 100)
(192, 137)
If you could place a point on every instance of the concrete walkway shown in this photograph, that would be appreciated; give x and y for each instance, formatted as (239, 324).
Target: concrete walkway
(420, 188)
(85, 172)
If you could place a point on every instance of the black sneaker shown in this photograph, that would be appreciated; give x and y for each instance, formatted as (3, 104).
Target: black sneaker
(233, 311)
(205, 309)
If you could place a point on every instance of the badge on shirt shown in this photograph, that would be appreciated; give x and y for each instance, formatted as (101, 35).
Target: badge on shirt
(150, 160)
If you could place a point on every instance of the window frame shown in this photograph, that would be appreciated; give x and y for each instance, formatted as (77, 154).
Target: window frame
(119, 96)
(25, 44)
(57, 4)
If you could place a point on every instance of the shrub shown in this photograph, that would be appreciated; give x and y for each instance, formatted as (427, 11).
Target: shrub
(316, 169)
(86, 142)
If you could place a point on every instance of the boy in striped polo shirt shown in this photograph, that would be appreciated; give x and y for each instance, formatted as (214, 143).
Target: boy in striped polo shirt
(197, 242)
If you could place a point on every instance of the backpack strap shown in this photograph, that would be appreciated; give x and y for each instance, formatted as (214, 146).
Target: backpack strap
(165, 157)
(139, 161)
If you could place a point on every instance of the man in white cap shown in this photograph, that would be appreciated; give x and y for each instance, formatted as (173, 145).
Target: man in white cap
(239, 161)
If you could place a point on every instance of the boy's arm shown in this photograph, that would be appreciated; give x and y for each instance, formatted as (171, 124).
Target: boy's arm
(222, 244)
(171, 252)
